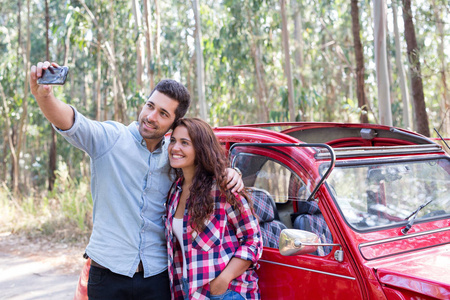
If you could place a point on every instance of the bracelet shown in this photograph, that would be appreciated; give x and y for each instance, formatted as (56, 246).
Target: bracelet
(238, 171)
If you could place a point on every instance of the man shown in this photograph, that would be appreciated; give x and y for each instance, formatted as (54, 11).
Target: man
(129, 182)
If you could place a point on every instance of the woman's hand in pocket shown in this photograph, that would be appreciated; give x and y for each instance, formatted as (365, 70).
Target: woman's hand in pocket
(218, 285)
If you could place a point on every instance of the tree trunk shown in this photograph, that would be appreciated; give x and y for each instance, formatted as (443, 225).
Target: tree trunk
(401, 70)
(191, 86)
(16, 149)
(12, 148)
(263, 112)
(261, 90)
(157, 36)
(384, 103)
(4, 170)
(19, 40)
(24, 116)
(53, 153)
(139, 44)
(350, 91)
(105, 96)
(67, 46)
(359, 57)
(445, 105)
(327, 112)
(86, 89)
(200, 63)
(47, 28)
(113, 54)
(148, 43)
(72, 79)
(298, 41)
(421, 116)
(388, 61)
(121, 105)
(287, 62)
(99, 82)
(298, 46)
(52, 160)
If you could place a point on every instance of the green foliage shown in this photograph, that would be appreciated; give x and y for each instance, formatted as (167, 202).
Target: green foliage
(74, 198)
(65, 213)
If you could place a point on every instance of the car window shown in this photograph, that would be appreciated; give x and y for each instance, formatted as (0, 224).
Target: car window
(385, 194)
(274, 178)
(265, 173)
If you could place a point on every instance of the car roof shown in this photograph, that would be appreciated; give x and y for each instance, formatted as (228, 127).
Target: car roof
(346, 134)
(347, 139)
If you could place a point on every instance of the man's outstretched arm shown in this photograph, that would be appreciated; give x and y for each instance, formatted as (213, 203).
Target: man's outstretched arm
(57, 112)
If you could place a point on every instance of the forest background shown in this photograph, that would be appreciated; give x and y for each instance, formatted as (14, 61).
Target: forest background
(244, 61)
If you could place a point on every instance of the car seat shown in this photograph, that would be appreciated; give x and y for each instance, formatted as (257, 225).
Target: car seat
(311, 219)
(265, 208)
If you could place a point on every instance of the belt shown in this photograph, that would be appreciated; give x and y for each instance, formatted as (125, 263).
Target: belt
(140, 267)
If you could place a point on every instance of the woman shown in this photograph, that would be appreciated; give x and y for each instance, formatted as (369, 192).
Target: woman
(213, 237)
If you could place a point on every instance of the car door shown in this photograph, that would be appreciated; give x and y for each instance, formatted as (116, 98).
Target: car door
(287, 184)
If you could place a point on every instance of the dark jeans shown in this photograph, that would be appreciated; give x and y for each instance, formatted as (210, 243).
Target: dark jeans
(106, 285)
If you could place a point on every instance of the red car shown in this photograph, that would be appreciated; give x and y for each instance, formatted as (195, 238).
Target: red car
(347, 211)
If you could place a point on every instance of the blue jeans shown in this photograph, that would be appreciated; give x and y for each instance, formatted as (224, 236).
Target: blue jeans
(185, 285)
(228, 295)
(106, 285)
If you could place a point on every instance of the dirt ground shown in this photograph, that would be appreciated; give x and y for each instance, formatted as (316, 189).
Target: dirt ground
(38, 268)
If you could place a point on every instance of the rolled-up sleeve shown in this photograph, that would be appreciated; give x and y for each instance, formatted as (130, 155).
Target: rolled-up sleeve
(93, 137)
(247, 232)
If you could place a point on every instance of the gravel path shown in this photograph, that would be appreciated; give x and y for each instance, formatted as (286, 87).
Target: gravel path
(38, 268)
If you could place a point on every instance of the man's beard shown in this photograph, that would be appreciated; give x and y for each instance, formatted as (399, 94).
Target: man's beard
(155, 134)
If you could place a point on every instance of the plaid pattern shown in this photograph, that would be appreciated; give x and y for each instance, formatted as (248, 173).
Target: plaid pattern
(263, 207)
(271, 233)
(310, 207)
(229, 233)
(311, 219)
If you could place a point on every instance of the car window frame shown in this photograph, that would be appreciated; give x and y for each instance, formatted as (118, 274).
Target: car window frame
(377, 161)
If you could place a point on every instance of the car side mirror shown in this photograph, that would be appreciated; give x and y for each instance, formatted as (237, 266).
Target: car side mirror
(298, 242)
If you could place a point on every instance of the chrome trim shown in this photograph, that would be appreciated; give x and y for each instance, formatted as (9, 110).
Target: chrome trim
(305, 269)
(380, 150)
(393, 239)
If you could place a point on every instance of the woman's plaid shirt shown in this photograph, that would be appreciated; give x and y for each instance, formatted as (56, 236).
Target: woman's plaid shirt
(228, 233)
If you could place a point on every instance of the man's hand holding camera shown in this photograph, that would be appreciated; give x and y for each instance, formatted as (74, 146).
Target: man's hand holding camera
(57, 112)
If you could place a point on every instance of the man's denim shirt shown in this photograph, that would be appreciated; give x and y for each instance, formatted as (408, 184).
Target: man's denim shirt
(129, 189)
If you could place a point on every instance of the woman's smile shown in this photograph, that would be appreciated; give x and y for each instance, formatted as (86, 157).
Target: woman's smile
(181, 149)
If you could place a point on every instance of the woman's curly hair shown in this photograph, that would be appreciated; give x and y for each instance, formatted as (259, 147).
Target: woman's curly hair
(211, 168)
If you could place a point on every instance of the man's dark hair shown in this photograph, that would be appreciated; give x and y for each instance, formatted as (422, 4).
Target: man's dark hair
(176, 91)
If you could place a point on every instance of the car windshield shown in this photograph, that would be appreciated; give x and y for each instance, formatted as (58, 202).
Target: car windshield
(383, 194)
